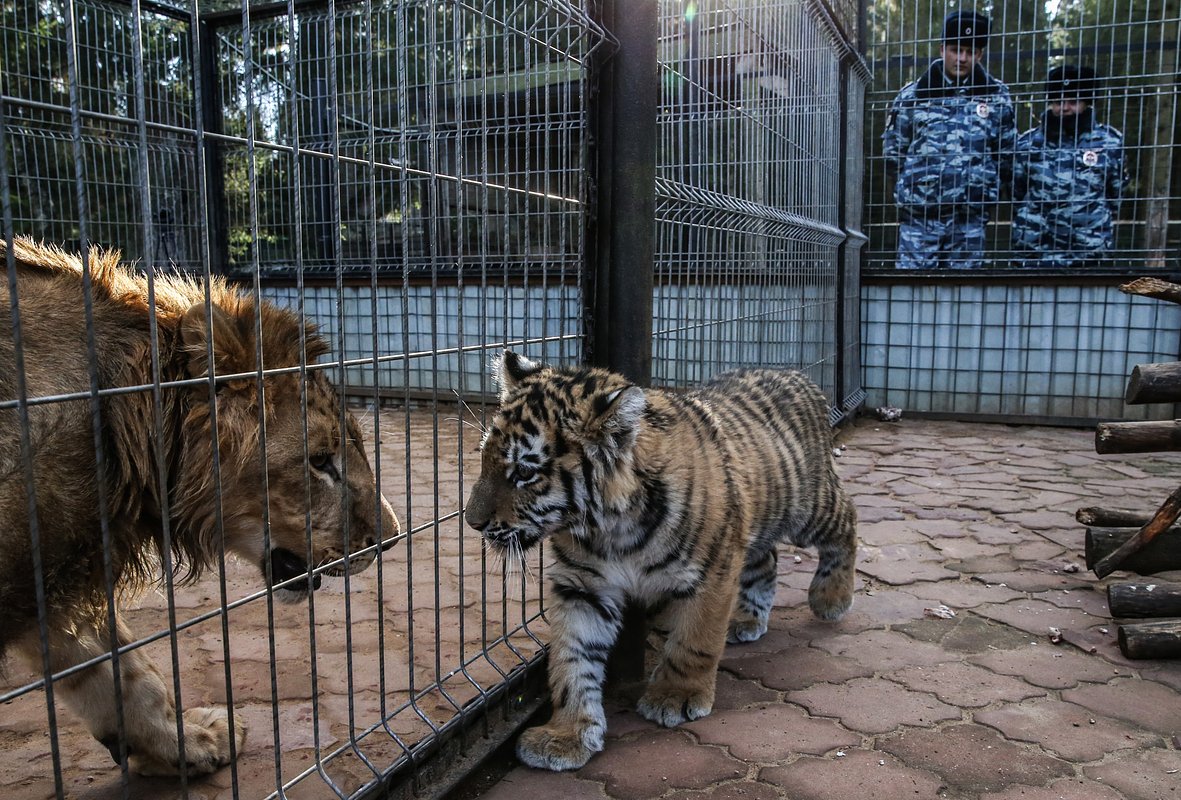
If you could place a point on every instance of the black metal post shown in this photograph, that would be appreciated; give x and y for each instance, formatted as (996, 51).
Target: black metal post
(625, 244)
(626, 206)
(211, 122)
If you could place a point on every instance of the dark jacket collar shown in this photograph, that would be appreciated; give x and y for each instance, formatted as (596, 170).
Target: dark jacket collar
(934, 83)
(1054, 131)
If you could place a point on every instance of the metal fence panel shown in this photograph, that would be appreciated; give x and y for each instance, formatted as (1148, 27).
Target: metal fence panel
(1065, 338)
(749, 192)
(412, 176)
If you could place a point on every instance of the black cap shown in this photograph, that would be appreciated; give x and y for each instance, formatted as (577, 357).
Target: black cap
(966, 27)
(1070, 82)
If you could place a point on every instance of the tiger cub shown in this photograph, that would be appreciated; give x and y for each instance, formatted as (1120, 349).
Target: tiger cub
(676, 501)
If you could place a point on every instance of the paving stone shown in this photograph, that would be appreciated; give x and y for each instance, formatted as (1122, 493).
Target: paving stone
(734, 790)
(983, 564)
(1029, 579)
(524, 783)
(1043, 520)
(959, 515)
(1046, 665)
(972, 758)
(733, 693)
(877, 534)
(1084, 599)
(883, 606)
(903, 573)
(884, 651)
(1168, 673)
(964, 634)
(800, 668)
(1151, 775)
(963, 594)
(871, 513)
(1146, 704)
(1037, 616)
(1000, 534)
(963, 548)
(965, 685)
(1061, 789)
(1043, 550)
(771, 732)
(1066, 730)
(859, 774)
(650, 764)
(874, 706)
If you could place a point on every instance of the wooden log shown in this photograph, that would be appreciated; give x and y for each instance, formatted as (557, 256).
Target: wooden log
(1095, 516)
(1157, 639)
(1165, 516)
(1153, 287)
(1137, 437)
(1161, 555)
(1127, 600)
(1154, 383)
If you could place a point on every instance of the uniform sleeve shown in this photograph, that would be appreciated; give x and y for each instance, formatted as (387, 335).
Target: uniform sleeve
(1117, 175)
(1006, 142)
(897, 136)
(1021, 169)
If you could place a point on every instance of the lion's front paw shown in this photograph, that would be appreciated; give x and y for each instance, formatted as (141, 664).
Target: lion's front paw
(559, 748)
(670, 706)
(207, 745)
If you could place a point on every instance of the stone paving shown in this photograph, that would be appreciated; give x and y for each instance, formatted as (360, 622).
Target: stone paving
(895, 701)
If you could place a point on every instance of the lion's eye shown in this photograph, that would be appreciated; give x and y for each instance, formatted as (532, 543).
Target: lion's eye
(322, 462)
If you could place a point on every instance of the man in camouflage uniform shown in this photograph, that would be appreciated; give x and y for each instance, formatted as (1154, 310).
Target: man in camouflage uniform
(949, 141)
(1068, 178)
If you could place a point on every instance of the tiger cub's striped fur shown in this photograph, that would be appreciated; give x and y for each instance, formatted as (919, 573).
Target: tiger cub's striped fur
(676, 501)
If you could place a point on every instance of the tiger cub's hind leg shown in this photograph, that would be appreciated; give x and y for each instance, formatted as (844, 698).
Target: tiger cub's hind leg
(831, 592)
(756, 592)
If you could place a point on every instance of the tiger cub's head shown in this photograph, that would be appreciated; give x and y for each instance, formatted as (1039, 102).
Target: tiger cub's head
(557, 452)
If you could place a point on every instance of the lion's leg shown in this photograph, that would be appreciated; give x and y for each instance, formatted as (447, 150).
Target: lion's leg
(149, 713)
(831, 592)
(584, 626)
(683, 683)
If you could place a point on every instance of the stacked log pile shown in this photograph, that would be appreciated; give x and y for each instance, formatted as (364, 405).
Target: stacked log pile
(1149, 611)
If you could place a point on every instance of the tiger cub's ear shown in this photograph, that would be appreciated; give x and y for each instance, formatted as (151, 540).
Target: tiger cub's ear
(615, 416)
(510, 369)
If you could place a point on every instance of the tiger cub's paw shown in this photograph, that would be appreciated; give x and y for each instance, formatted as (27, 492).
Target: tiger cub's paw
(830, 599)
(559, 748)
(746, 630)
(670, 706)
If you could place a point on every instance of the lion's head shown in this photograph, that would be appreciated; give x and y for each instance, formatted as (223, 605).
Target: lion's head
(557, 453)
(316, 504)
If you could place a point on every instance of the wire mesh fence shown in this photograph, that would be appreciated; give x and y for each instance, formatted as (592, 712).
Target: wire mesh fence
(1057, 151)
(413, 177)
(416, 179)
(1021, 164)
(751, 192)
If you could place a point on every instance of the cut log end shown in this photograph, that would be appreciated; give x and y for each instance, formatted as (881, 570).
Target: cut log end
(1157, 639)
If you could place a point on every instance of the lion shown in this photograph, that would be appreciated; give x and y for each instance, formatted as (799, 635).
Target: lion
(96, 495)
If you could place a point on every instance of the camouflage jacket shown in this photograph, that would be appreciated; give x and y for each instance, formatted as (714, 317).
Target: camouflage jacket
(1068, 186)
(950, 144)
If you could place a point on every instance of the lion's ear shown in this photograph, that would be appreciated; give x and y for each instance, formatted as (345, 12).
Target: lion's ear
(232, 351)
